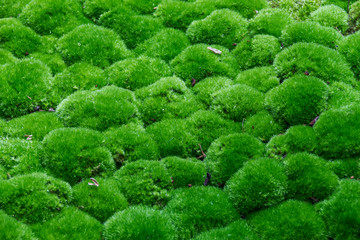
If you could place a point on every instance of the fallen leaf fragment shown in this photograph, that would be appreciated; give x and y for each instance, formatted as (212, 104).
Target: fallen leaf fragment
(214, 50)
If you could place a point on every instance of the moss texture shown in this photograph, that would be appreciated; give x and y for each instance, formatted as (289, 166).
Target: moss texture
(12, 229)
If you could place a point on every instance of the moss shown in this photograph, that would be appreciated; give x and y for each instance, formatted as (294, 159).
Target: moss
(53, 61)
(12, 8)
(139, 222)
(346, 168)
(260, 78)
(73, 154)
(136, 73)
(192, 214)
(319, 61)
(24, 85)
(341, 211)
(246, 8)
(143, 6)
(331, 16)
(289, 220)
(198, 62)
(223, 27)
(97, 109)
(130, 143)
(355, 15)
(166, 44)
(133, 29)
(237, 102)
(257, 51)
(310, 32)
(71, 224)
(37, 125)
(337, 131)
(185, 172)
(100, 202)
(298, 100)
(144, 182)
(228, 153)
(12, 229)
(94, 8)
(342, 94)
(165, 99)
(86, 41)
(299, 9)
(350, 48)
(17, 38)
(35, 197)
(174, 138)
(6, 57)
(341, 3)
(270, 21)
(49, 44)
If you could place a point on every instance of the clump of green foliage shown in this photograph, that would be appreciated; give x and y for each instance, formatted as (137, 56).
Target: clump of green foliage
(341, 211)
(166, 44)
(53, 61)
(237, 102)
(6, 57)
(247, 8)
(144, 182)
(289, 220)
(346, 168)
(139, 222)
(101, 201)
(350, 48)
(259, 50)
(342, 94)
(136, 73)
(192, 214)
(73, 154)
(86, 41)
(94, 8)
(129, 143)
(223, 27)
(331, 16)
(97, 109)
(355, 15)
(228, 153)
(260, 183)
(12, 8)
(341, 3)
(35, 197)
(298, 9)
(11, 229)
(143, 6)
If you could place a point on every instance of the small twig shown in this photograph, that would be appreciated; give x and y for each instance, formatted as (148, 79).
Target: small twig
(214, 50)
(203, 154)
(28, 137)
(312, 123)
(29, 97)
(95, 183)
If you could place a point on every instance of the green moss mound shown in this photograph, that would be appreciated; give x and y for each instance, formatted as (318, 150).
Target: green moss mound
(246, 8)
(12, 8)
(228, 153)
(53, 61)
(299, 10)
(97, 109)
(192, 214)
(346, 168)
(35, 197)
(11, 229)
(136, 73)
(355, 15)
(143, 6)
(101, 201)
(294, 220)
(94, 8)
(331, 16)
(86, 41)
(144, 182)
(342, 94)
(350, 48)
(6, 57)
(341, 3)
(139, 222)
(74, 154)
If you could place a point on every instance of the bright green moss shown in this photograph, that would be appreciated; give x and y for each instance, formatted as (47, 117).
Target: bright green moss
(260, 183)
(346, 168)
(11, 229)
(247, 8)
(342, 94)
(234, 231)
(139, 222)
(262, 126)
(136, 73)
(166, 44)
(133, 29)
(12, 8)
(174, 138)
(37, 125)
(165, 99)
(341, 211)
(257, 51)
(54, 17)
(94, 8)
(341, 3)
(144, 182)
(355, 15)
(260, 78)
(338, 132)
(23, 86)
(100, 202)
(2, 125)
(350, 48)
(270, 21)
(199, 209)
(6, 57)
(310, 32)
(237, 102)
(228, 153)
(331, 16)
(223, 27)
(48, 44)
(3, 174)
(34, 197)
(76, 154)
(298, 100)
(85, 42)
(17, 38)
(53, 61)
(310, 178)
(289, 220)
(130, 143)
(298, 9)
(143, 6)
(185, 172)
(97, 109)
(198, 62)
(71, 224)
(319, 61)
